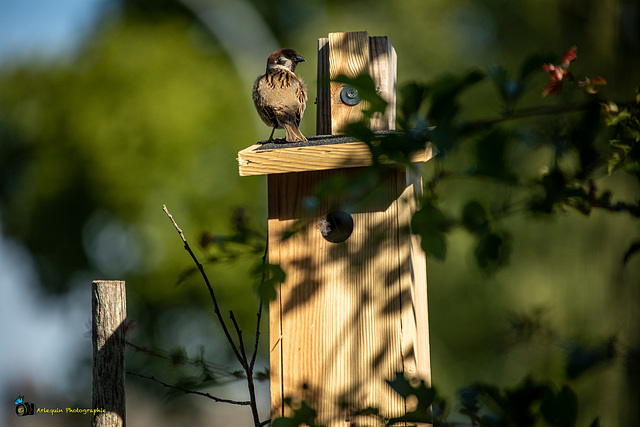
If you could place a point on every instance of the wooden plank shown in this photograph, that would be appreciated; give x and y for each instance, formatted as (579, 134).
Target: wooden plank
(349, 56)
(351, 314)
(413, 278)
(419, 279)
(256, 161)
(323, 100)
(275, 306)
(383, 70)
(413, 282)
(340, 309)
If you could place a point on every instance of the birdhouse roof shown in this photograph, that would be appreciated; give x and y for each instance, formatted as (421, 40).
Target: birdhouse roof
(320, 152)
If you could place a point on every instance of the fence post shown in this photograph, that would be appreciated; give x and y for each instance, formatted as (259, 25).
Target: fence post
(109, 312)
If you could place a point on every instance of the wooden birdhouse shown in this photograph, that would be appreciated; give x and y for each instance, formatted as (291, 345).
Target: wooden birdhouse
(353, 308)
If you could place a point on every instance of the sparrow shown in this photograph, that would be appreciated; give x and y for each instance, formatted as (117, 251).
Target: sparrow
(280, 96)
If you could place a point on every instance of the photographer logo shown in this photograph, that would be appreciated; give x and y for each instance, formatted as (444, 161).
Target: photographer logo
(24, 408)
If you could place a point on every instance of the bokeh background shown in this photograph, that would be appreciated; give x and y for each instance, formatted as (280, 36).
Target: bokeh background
(111, 108)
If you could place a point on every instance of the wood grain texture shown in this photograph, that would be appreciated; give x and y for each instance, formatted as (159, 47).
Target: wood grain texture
(343, 321)
(418, 278)
(383, 70)
(349, 56)
(256, 161)
(109, 312)
(413, 282)
(275, 230)
(323, 100)
(349, 315)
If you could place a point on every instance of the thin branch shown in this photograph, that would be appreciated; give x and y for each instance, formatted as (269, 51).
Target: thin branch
(249, 371)
(206, 280)
(522, 113)
(214, 367)
(262, 279)
(249, 368)
(255, 347)
(540, 110)
(243, 353)
(186, 390)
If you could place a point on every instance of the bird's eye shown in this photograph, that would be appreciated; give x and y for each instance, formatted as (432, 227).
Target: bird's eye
(282, 60)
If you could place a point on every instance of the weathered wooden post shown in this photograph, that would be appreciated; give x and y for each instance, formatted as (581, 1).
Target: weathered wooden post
(353, 309)
(109, 312)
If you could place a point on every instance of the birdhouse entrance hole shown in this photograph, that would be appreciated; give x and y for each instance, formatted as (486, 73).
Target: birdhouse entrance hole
(336, 227)
(352, 311)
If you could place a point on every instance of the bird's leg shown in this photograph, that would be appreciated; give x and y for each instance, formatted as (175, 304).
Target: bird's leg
(271, 136)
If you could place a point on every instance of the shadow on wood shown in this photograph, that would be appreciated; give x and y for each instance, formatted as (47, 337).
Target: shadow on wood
(109, 313)
(352, 311)
(351, 314)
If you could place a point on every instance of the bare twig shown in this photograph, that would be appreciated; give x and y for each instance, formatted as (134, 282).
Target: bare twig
(240, 354)
(524, 113)
(186, 390)
(255, 347)
(243, 353)
(249, 371)
(216, 368)
(540, 110)
(206, 280)
(249, 367)
(262, 279)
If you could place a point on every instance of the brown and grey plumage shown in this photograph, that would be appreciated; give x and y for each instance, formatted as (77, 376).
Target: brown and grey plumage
(280, 96)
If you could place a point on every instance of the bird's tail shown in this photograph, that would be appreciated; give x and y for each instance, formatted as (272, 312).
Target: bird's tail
(293, 133)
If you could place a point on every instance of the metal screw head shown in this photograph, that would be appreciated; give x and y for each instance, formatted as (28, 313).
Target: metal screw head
(349, 95)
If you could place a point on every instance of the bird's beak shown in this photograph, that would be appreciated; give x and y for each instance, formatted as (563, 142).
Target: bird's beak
(300, 59)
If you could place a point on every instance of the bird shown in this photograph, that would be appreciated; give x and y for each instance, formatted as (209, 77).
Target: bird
(280, 96)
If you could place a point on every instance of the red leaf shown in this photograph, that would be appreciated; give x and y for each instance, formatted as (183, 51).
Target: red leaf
(569, 56)
(554, 87)
(548, 67)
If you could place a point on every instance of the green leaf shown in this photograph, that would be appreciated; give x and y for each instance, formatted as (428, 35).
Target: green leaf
(431, 224)
(412, 97)
(491, 156)
(304, 415)
(271, 275)
(398, 147)
(633, 249)
(425, 395)
(511, 407)
(554, 191)
(444, 92)
(583, 139)
(493, 250)
(560, 410)
(581, 204)
(581, 358)
(474, 217)
(509, 89)
(360, 131)
(178, 356)
(614, 161)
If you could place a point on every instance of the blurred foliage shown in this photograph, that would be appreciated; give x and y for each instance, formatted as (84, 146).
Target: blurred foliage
(530, 403)
(152, 110)
(579, 158)
(560, 187)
